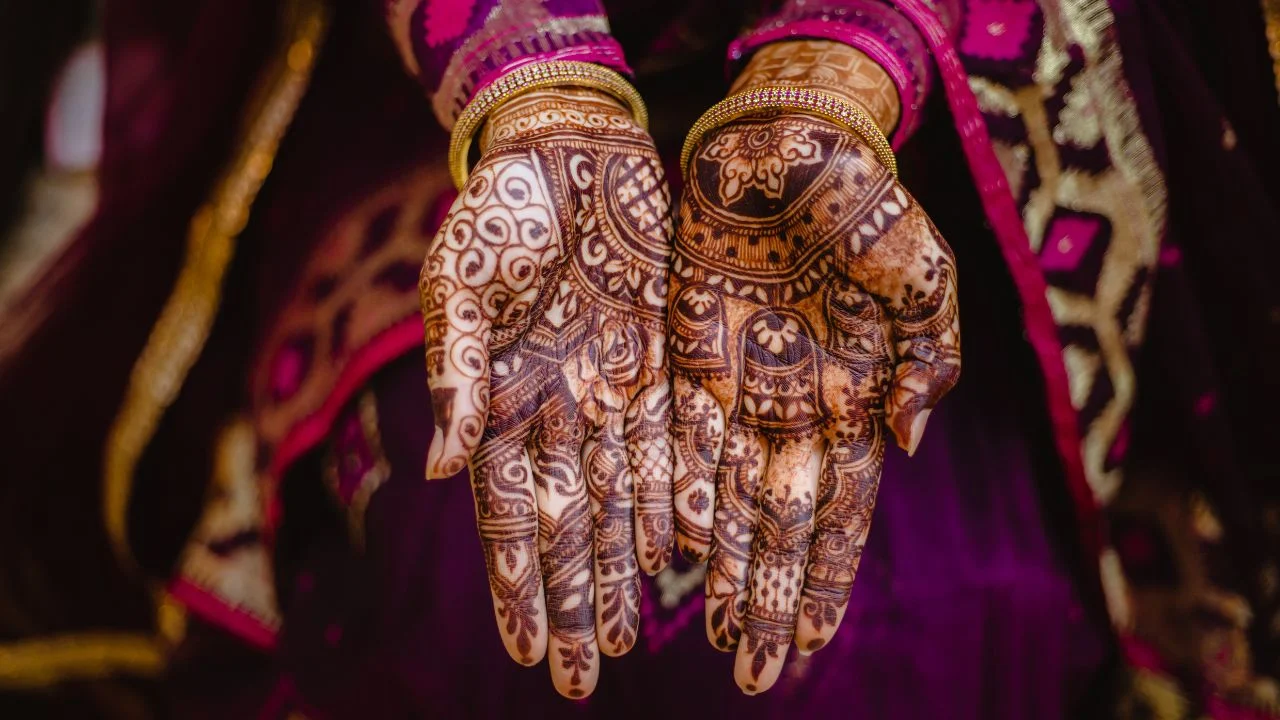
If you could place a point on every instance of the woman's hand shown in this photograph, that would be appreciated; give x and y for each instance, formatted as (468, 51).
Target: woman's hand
(813, 303)
(544, 305)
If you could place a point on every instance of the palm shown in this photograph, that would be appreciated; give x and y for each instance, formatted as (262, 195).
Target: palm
(813, 302)
(544, 305)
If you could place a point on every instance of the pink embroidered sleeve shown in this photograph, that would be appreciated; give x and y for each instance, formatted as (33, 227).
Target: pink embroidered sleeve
(456, 47)
(876, 27)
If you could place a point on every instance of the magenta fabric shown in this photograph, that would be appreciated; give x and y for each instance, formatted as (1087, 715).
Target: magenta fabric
(462, 45)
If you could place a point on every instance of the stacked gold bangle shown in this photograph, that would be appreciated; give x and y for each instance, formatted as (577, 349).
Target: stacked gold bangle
(813, 102)
(525, 79)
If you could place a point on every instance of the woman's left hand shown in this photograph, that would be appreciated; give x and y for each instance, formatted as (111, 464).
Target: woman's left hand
(813, 304)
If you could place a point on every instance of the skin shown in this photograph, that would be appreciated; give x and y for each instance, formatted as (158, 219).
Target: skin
(813, 308)
(544, 301)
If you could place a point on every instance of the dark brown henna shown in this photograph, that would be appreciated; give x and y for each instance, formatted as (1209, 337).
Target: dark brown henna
(544, 306)
(814, 305)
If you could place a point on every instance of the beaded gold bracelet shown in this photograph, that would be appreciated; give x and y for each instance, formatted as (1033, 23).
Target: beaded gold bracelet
(813, 102)
(527, 78)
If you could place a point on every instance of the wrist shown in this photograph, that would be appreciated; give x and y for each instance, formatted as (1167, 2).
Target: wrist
(828, 66)
(517, 119)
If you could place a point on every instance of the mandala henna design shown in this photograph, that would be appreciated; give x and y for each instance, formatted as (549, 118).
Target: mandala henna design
(814, 308)
(544, 309)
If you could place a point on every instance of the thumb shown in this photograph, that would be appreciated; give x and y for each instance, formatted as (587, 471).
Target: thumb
(913, 271)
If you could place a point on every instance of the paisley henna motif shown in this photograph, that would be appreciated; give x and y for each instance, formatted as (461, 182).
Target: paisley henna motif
(814, 306)
(544, 308)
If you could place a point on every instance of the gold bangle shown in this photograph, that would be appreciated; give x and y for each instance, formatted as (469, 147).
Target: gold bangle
(527, 78)
(813, 102)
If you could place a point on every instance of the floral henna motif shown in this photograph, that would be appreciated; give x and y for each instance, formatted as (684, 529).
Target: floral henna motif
(811, 311)
(544, 308)
(759, 159)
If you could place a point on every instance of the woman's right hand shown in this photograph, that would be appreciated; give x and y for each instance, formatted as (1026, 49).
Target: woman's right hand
(544, 305)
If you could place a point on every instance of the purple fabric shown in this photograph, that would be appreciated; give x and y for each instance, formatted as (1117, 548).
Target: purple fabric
(964, 607)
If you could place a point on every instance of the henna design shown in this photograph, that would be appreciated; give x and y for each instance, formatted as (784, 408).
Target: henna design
(610, 487)
(507, 518)
(826, 65)
(544, 306)
(814, 306)
(697, 451)
(649, 448)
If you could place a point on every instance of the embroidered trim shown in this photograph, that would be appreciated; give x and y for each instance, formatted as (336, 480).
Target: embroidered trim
(356, 465)
(1001, 209)
(43, 662)
(512, 34)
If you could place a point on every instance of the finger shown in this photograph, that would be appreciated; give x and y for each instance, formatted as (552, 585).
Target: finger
(738, 476)
(564, 540)
(781, 550)
(698, 335)
(457, 337)
(846, 497)
(697, 430)
(648, 423)
(912, 270)
(507, 518)
(617, 577)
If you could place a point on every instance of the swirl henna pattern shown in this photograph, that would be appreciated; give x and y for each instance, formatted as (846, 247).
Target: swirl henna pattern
(544, 307)
(813, 306)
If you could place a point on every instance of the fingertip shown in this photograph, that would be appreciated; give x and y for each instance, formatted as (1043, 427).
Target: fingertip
(753, 673)
(575, 668)
(916, 433)
(693, 553)
(653, 565)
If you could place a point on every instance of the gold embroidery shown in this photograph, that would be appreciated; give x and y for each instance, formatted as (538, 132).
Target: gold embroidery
(242, 579)
(183, 325)
(993, 98)
(1271, 15)
(42, 662)
(373, 477)
(1131, 195)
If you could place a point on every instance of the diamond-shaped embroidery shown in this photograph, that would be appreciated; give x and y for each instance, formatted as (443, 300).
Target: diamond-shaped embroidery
(997, 30)
(1073, 248)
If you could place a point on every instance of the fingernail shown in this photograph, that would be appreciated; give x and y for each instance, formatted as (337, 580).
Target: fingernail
(435, 451)
(917, 431)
